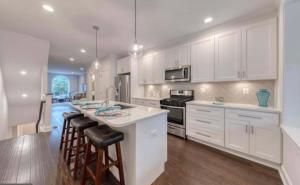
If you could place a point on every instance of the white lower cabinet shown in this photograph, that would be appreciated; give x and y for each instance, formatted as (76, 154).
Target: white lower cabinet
(205, 123)
(236, 135)
(253, 133)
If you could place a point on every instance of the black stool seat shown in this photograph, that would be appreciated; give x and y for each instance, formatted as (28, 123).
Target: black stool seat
(71, 115)
(82, 123)
(103, 136)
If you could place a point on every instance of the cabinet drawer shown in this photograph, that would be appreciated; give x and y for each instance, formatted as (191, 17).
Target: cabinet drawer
(210, 136)
(205, 111)
(253, 116)
(198, 122)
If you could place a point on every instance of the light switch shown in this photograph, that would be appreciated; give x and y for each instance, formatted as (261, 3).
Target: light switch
(245, 90)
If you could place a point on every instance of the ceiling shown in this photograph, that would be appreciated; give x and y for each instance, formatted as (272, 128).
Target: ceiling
(69, 27)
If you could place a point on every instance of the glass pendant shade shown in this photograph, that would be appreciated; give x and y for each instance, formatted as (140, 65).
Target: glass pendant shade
(136, 50)
(97, 64)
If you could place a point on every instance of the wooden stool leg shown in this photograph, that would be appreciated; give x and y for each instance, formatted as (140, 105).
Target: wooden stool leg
(120, 164)
(106, 161)
(77, 152)
(86, 161)
(62, 140)
(98, 180)
(67, 131)
(71, 147)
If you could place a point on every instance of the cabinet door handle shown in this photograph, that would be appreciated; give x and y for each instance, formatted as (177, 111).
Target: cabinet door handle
(207, 122)
(205, 135)
(203, 110)
(239, 74)
(244, 74)
(246, 129)
(252, 129)
(247, 116)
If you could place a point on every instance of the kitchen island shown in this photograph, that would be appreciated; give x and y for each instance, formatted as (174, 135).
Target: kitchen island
(144, 149)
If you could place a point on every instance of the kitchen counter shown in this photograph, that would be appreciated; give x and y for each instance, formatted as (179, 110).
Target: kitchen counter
(236, 106)
(131, 115)
(144, 148)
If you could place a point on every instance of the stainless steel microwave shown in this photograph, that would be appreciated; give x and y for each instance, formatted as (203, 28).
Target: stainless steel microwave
(178, 74)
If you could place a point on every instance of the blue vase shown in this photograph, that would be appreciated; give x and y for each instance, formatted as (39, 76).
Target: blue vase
(263, 97)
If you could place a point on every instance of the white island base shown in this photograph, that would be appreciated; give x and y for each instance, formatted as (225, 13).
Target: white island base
(144, 150)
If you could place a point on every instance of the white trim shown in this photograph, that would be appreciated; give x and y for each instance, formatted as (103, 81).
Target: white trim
(284, 176)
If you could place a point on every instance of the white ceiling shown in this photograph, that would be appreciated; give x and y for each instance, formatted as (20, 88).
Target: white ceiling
(69, 28)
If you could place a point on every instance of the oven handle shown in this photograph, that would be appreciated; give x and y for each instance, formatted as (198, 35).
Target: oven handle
(172, 107)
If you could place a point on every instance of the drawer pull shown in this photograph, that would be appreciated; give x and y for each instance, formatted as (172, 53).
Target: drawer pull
(205, 135)
(199, 110)
(246, 116)
(207, 122)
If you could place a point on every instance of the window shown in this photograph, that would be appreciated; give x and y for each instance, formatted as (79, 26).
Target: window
(60, 86)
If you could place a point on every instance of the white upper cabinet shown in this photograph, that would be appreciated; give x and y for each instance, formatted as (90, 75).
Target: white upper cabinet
(202, 60)
(158, 71)
(147, 63)
(123, 65)
(260, 50)
(228, 56)
(178, 56)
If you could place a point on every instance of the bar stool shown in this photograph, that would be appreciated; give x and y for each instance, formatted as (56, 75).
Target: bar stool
(64, 141)
(78, 126)
(101, 137)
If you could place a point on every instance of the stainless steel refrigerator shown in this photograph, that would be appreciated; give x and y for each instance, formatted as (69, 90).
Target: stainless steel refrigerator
(122, 83)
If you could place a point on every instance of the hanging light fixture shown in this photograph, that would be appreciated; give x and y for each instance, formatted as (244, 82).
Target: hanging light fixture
(135, 49)
(96, 63)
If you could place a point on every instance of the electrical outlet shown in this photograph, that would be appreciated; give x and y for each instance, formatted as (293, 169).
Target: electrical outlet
(245, 90)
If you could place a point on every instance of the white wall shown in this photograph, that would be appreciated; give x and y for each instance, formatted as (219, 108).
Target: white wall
(291, 68)
(4, 129)
(22, 52)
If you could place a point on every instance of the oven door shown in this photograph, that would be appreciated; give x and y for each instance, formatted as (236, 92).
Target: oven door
(176, 116)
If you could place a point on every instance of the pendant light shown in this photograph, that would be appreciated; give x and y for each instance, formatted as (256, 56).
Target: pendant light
(135, 49)
(96, 63)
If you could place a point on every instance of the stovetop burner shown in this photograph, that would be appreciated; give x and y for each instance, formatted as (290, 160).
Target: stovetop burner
(178, 98)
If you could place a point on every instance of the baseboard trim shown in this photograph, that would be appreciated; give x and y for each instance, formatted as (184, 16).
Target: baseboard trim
(284, 176)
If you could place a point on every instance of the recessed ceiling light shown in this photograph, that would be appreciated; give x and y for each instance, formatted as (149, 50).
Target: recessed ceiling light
(48, 8)
(23, 72)
(208, 20)
(24, 95)
(81, 68)
(82, 50)
(72, 72)
(72, 59)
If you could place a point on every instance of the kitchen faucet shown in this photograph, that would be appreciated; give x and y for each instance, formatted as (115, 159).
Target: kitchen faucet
(107, 93)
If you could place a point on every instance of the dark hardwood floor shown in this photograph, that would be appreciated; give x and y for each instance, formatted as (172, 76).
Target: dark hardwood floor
(36, 159)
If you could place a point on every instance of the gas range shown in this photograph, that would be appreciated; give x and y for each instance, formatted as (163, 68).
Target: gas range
(176, 105)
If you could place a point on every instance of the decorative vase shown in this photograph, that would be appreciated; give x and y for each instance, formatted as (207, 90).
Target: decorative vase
(263, 97)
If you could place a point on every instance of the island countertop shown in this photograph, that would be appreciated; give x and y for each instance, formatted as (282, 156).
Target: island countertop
(134, 114)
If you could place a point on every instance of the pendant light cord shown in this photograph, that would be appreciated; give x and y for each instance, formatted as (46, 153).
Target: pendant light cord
(135, 20)
(96, 43)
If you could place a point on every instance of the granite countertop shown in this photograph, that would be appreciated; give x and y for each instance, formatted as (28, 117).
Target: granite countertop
(236, 106)
(148, 98)
(131, 115)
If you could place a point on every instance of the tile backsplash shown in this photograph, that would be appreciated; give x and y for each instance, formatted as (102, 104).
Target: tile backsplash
(233, 92)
